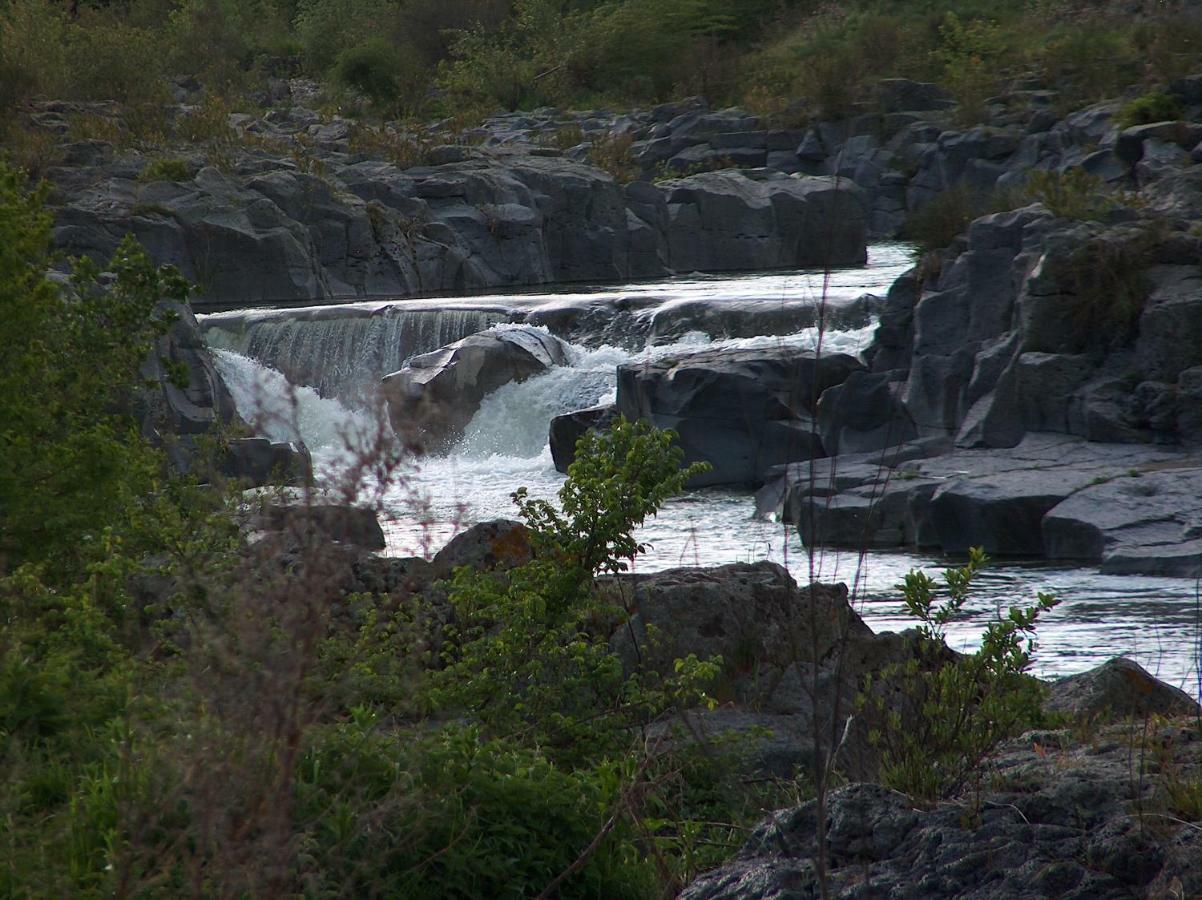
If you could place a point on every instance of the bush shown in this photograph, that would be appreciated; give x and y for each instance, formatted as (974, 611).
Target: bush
(1155, 107)
(70, 466)
(1074, 194)
(1107, 281)
(166, 169)
(611, 154)
(389, 76)
(936, 225)
(954, 712)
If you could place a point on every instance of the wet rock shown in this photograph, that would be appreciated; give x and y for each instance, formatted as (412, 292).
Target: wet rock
(1119, 688)
(741, 411)
(433, 398)
(567, 429)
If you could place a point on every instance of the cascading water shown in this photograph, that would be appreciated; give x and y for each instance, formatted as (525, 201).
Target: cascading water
(283, 411)
(505, 446)
(341, 355)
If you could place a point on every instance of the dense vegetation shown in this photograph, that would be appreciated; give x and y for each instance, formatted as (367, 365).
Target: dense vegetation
(183, 713)
(464, 57)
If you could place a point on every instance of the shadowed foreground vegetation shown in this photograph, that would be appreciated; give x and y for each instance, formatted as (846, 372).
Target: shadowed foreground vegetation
(187, 711)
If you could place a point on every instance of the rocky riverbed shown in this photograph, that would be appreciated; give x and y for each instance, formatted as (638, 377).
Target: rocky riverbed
(1034, 387)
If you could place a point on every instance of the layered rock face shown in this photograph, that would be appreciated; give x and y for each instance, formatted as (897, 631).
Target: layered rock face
(299, 211)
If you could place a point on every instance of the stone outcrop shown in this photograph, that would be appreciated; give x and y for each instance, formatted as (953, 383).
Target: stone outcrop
(1126, 507)
(299, 210)
(433, 398)
(741, 411)
(184, 404)
(1056, 815)
(1058, 819)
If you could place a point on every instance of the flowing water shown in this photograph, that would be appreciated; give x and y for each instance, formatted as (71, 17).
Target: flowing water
(1157, 621)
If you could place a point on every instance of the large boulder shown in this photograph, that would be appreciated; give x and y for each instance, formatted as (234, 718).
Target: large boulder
(776, 641)
(495, 545)
(728, 221)
(741, 411)
(434, 397)
(1118, 689)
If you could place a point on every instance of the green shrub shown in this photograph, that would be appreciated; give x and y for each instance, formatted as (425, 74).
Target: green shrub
(389, 76)
(1155, 107)
(455, 815)
(165, 168)
(611, 154)
(529, 652)
(954, 712)
(1107, 283)
(1074, 194)
(69, 359)
(380, 142)
(938, 223)
(1088, 61)
(970, 54)
(108, 60)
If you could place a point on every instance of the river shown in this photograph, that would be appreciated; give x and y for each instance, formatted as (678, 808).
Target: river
(1156, 621)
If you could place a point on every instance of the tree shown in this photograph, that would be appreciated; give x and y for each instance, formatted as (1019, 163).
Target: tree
(72, 464)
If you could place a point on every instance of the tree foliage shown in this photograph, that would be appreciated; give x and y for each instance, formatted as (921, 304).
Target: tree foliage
(72, 464)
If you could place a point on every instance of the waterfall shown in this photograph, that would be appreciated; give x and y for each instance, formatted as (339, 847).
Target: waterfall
(341, 351)
(512, 421)
(283, 411)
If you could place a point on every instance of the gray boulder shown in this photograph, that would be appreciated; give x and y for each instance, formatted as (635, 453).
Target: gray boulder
(775, 640)
(729, 221)
(433, 398)
(1118, 689)
(567, 429)
(741, 411)
(495, 545)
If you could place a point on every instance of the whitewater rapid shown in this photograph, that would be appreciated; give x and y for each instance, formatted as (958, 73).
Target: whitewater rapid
(1156, 621)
